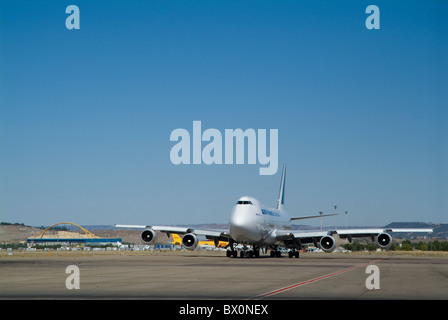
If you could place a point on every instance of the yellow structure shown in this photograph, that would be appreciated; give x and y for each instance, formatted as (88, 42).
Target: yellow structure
(178, 241)
(88, 234)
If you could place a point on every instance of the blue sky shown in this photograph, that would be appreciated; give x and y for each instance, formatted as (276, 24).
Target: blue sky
(86, 115)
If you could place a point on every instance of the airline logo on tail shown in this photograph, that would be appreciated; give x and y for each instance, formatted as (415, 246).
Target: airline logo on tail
(177, 240)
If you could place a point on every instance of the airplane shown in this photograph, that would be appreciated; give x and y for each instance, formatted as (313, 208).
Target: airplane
(254, 227)
(177, 240)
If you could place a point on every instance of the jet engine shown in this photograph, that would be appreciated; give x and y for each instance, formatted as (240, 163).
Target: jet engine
(148, 236)
(327, 244)
(384, 240)
(190, 241)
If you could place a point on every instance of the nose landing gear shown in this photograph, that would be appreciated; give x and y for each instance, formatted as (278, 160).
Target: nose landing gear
(244, 251)
(293, 253)
(276, 253)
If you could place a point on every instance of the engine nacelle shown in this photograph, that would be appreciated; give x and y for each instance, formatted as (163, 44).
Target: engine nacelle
(384, 240)
(327, 244)
(190, 241)
(148, 236)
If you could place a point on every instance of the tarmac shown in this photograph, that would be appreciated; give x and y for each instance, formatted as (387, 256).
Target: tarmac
(210, 275)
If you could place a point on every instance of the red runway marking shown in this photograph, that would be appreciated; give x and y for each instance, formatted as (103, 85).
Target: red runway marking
(271, 293)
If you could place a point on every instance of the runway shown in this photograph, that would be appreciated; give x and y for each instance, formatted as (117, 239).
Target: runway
(203, 275)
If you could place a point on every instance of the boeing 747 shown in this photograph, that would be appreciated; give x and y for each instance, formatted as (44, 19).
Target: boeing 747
(253, 227)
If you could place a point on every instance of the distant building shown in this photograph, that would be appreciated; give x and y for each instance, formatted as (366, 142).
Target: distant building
(69, 238)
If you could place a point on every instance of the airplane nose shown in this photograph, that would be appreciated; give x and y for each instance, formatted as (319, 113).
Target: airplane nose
(243, 225)
(238, 218)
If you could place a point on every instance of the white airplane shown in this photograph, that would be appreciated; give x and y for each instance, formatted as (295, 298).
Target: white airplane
(253, 226)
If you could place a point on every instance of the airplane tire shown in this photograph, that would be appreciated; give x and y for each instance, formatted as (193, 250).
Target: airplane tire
(293, 254)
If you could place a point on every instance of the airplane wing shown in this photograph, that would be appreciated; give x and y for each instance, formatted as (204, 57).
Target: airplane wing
(191, 241)
(310, 217)
(366, 232)
(181, 230)
(326, 240)
(375, 231)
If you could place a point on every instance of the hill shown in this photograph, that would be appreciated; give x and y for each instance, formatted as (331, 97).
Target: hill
(13, 233)
(440, 229)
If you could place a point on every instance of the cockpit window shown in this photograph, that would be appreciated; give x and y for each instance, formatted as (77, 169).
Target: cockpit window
(244, 202)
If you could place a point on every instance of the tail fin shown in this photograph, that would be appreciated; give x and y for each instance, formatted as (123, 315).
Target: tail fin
(177, 239)
(281, 196)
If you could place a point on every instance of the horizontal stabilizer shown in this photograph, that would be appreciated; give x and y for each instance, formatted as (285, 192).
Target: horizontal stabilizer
(310, 217)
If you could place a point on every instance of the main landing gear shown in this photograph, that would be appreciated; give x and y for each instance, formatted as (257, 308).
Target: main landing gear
(291, 253)
(254, 252)
(245, 251)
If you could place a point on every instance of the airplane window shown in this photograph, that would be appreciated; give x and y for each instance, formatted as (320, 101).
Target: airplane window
(244, 202)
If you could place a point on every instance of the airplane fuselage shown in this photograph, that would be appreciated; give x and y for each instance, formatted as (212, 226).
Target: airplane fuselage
(255, 224)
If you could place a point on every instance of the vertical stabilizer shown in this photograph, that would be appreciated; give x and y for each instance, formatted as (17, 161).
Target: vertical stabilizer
(281, 195)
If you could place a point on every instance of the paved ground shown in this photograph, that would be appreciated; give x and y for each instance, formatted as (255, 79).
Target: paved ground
(198, 275)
